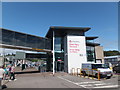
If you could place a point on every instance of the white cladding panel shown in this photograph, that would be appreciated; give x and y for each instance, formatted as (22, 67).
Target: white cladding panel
(1, 61)
(76, 51)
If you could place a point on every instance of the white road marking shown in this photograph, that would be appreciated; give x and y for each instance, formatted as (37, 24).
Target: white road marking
(71, 82)
(100, 84)
(109, 86)
(88, 85)
(91, 84)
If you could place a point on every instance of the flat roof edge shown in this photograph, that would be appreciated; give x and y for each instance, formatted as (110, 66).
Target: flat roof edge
(23, 33)
(76, 28)
(55, 28)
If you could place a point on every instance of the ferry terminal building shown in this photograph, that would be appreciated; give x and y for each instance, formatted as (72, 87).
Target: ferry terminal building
(67, 47)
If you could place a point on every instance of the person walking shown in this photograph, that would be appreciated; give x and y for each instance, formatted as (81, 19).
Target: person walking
(12, 73)
(5, 73)
(1, 76)
(23, 65)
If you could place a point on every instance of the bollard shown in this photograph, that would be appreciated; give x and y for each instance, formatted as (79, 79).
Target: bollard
(84, 73)
(92, 74)
(80, 72)
(98, 75)
(88, 73)
(73, 71)
(77, 71)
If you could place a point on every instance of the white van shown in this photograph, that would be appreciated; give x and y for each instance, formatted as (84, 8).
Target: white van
(93, 68)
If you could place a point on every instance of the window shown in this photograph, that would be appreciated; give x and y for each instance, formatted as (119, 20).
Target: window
(57, 44)
(20, 39)
(90, 53)
(7, 37)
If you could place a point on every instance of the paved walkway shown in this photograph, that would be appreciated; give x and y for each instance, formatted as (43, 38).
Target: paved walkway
(60, 80)
(38, 80)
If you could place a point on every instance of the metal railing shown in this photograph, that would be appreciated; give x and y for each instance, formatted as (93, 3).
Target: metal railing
(82, 73)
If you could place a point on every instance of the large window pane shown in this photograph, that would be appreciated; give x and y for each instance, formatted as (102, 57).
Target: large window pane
(90, 53)
(7, 37)
(31, 41)
(48, 44)
(57, 44)
(20, 39)
(41, 43)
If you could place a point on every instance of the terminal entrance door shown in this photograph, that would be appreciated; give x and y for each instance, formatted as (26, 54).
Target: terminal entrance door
(59, 66)
(59, 62)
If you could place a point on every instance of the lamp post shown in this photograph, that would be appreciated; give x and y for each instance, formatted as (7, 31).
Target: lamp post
(53, 54)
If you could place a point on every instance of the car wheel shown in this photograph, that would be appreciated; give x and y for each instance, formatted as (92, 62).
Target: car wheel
(84, 73)
(96, 75)
(108, 77)
(115, 72)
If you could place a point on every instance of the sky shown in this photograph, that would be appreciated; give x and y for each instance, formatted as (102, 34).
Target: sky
(36, 17)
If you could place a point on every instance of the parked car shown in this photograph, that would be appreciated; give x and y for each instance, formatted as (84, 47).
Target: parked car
(93, 68)
(116, 69)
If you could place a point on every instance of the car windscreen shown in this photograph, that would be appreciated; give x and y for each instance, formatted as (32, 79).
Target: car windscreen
(95, 66)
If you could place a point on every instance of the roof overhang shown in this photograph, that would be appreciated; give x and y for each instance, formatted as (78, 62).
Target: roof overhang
(64, 30)
(91, 38)
(92, 44)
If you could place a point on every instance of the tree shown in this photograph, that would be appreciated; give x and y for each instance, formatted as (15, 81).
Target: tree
(111, 53)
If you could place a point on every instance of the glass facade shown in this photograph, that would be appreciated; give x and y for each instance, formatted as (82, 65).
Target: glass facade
(113, 61)
(7, 37)
(19, 39)
(90, 41)
(25, 40)
(90, 54)
(57, 43)
(59, 54)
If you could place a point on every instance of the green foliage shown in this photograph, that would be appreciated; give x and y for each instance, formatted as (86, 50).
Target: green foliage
(36, 60)
(111, 53)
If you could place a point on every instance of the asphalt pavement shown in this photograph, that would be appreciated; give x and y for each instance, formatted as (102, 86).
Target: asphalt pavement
(61, 80)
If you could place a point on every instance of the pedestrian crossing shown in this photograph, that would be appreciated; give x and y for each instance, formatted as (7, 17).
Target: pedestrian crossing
(96, 84)
(92, 84)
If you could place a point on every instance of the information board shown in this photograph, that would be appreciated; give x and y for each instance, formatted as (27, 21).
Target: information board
(76, 51)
